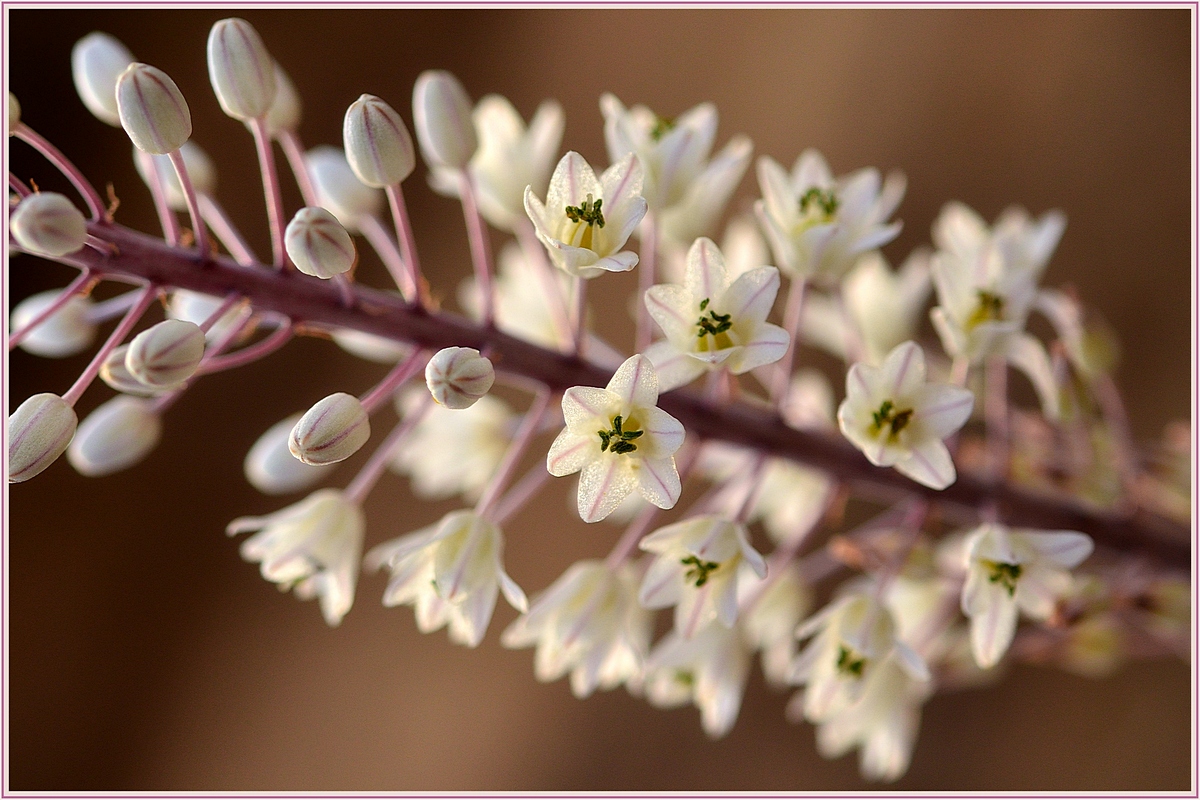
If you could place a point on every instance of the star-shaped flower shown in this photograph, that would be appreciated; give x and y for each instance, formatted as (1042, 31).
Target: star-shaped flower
(898, 420)
(619, 440)
(585, 222)
(710, 322)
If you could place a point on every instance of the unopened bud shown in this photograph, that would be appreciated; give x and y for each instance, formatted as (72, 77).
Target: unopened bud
(458, 376)
(115, 436)
(200, 169)
(370, 346)
(64, 333)
(317, 244)
(153, 111)
(196, 307)
(14, 113)
(167, 354)
(49, 224)
(284, 114)
(240, 69)
(338, 189)
(331, 431)
(114, 372)
(97, 61)
(39, 431)
(442, 115)
(272, 469)
(378, 146)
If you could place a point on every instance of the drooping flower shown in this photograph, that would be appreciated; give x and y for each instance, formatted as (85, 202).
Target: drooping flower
(620, 440)
(451, 572)
(709, 670)
(585, 222)
(1011, 571)
(312, 547)
(818, 225)
(588, 623)
(769, 623)
(898, 420)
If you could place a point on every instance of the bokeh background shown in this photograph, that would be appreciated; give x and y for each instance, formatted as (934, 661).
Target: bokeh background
(145, 655)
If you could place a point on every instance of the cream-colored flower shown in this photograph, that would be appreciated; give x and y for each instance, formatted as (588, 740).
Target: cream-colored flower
(709, 670)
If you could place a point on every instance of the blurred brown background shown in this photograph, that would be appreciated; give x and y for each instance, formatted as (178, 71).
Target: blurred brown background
(145, 655)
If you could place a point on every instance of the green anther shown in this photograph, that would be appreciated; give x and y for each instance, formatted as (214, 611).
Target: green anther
(698, 570)
(588, 212)
(825, 200)
(704, 304)
(719, 323)
(990, 308)
(849, 662)
(662, 126)
(617, 439)
(684, 677)
(893, 418)
(1004, 574)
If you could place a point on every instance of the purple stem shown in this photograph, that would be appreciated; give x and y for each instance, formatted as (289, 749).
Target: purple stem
(579, 317)
(82, 284)
(215, 316)
(94, 202)
(166, 217)
(647, 264)
(995, 410)
(521, 493)
(115, 338)
(294, 152)
(266, 164)
(792, 317)
(381, 242)
(529, 428)
(535, 254)
(399, 375)
(189, 194)
(481, 249)
(225, 231)
(277, 339)
(371, 472)
(18, 186)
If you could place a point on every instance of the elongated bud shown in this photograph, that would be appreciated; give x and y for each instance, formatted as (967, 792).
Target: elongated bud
(442, 115)
(39, 431)
(14, 113)
(241, 70)
(458, 376)
(153, 111)
(378, 146)
(49, 224)
(317, 244)
(114, 372)
(200, 168)
(272, 469)
(196, 307)
(115, 436)
(97, 61)
(331, 431)
(64, 333)
(167, 354)
(284, 114)
(338, 189)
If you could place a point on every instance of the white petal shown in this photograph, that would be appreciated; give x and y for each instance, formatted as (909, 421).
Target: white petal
(603, 484)
(664, 434)
(943, 409)
(992, 628)
(929, 464)
(903, 371)
(705, 276)
(635, 382)
(752, 295)
(1028, 355)
(770, 344)
(674, 368)
(572, 181)
(570, 453)
(675, 309)
(1065, 548)
(512, 592)
(585, 406)
(659, 481)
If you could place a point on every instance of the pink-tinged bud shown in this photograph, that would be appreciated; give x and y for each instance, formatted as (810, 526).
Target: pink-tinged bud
(331, 431)
(442, 115)
(115, 436)
(338, 189)
(284, 114)
(378, 146)
(200, 169)
(270, 466)
(241, 70)
(97, 61)
(14, 113)
(167, 354)
(114, 372)
(317, 243)
(458, 376)
(64, 333)
(49, 224)
(153, 111)
(39, 431)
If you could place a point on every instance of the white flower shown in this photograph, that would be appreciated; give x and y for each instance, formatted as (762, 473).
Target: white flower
(196, 308)
(986, 282)
(451, 573)
(451, 452)
(710, 670)
(818, 226)
(117, 435)
(270, 466)
(1010, 571)
(853, 637)
(710, 322)
(526, 295)
(770, 622)
(742, 245)
(339, 190)
(682, 186)
(898, 420)
(620, 440)
(312, 546)
(587, 623)
(509, 158)
(696, 570)
(442, 118)
(64, 333)
(97, 60)
(585, 222)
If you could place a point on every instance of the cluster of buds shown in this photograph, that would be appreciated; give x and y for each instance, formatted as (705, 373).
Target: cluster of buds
(928, 594)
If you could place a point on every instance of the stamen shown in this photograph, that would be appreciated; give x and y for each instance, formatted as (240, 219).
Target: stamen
(699, 570)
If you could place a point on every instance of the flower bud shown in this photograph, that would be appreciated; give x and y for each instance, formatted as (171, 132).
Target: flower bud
(196, 307)
(97, 60)
(39, 430)
(284, 114)
(378, 146)
(114, 372)
(49, 224)
(153, 111)
(270, 466)
(64, 333)
(200, 168)
(241, 70)
(167, 354)
(331, 431)
(115, 436)
(458, 376)
(14, 113)
(369, 346)
(317, 244)
(338, 189)
(442, 115)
